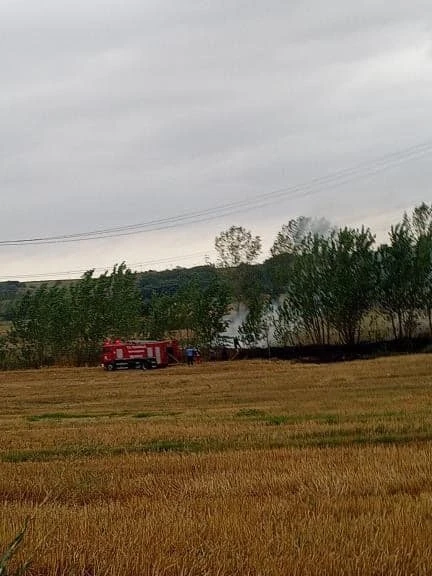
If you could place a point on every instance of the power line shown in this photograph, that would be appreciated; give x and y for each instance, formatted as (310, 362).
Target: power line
(104, 268)
(76, 272)
(352, 221)
(313, 186)
(396, 208)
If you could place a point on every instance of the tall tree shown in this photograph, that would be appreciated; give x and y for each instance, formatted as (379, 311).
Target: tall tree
(161, 317)
(237, 246)
(198, 314)
(276, 272)
(421, 220)
(288, 325)
(256, 327)
(420, 226)
(291, 235)
(238, 249)
(123, 302)
(351, 279)
(107, 306)
(304, 310)
(399, 281)
(41, 325)
(209, 310)
(423, 263)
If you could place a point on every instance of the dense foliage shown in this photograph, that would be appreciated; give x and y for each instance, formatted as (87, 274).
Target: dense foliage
(321, 285)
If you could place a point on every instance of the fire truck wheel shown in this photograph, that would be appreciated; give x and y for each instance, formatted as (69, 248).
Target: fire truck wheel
(143, 366)
(110, 367)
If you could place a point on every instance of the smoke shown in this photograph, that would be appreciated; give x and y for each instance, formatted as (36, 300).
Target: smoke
(320, 226)
(239, 314)
(305, 225)
(236, 317)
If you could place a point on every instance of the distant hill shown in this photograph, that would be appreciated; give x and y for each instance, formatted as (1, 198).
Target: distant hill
(150, 282)
(9, 292)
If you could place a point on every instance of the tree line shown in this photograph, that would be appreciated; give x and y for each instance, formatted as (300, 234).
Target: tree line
(320, 285)
(339, 278)
(67, 323)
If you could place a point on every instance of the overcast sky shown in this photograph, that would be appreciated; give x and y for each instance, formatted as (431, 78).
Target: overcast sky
(116, 113)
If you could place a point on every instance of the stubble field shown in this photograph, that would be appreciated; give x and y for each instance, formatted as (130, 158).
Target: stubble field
(250, 468)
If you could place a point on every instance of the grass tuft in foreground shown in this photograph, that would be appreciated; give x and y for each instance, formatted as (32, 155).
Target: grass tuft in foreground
(9, 553)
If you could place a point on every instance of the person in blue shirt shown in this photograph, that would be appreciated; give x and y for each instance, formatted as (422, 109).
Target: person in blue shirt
(190, 355)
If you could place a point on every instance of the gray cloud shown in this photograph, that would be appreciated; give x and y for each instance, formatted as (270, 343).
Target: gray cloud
(113, 113)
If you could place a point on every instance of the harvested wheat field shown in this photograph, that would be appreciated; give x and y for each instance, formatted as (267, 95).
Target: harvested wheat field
(247, 468)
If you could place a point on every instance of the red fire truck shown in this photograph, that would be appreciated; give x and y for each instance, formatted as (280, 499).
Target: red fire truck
(143, 354)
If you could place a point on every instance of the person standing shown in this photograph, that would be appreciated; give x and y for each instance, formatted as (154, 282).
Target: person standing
(190, 353)
(197, 356)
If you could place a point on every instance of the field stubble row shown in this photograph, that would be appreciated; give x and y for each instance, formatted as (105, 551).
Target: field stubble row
(216, 469)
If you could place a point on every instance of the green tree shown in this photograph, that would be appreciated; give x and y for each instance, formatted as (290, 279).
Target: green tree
(276, 272)
(208, 311)
(238, 249)
(41, 325)
(237, 246)
(349, 290)
(419, 228)
(89, 316)
(399, 281)
(124, 303)
(331, 288)
(424, 275)
(292, 235)
(421, 220)
(164, 316)
(108, 306)
(199, 314)
(288, 325)
(303, 310)
(257, 325)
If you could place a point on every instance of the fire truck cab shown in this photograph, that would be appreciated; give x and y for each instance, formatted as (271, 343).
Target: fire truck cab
(142, 354)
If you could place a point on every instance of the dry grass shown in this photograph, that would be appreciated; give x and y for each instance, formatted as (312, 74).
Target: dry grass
(236, 468)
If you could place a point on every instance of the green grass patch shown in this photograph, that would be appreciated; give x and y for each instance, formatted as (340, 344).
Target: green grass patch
(331, 419)
(157, 446)
(278, 420)
(144, 415)
(320, 439)
(69, 416)
(251, 413)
